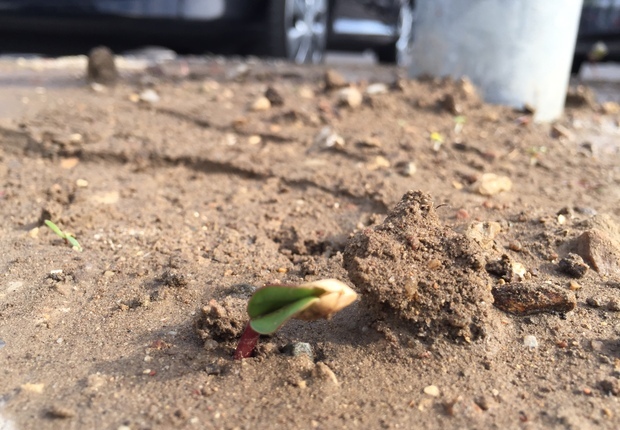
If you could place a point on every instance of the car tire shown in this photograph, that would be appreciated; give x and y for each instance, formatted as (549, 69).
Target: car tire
(399, 52)
(297, 30)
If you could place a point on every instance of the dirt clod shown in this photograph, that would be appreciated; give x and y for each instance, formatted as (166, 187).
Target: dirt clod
(399, 279)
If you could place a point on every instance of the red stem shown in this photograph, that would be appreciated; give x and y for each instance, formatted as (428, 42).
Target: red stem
(247, 343)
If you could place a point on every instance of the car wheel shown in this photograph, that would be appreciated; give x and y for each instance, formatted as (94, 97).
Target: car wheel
(399, 52)
(298, 30)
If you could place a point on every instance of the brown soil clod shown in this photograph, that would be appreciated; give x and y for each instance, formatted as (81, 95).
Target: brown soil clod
(396, 265)
(530, 298)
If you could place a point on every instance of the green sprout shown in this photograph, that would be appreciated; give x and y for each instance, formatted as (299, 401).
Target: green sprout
(459, 123)
(437, 140)
(68, 238)
(273, 305)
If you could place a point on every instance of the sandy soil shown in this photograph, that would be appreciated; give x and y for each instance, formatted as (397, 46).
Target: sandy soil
(189, 202)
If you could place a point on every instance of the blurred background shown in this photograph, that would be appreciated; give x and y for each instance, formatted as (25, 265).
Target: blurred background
(299, 30)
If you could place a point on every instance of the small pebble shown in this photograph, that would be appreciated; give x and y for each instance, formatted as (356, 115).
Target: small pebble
(614, 305)
(2, 344)
(350, 97)
(149, 96)
(432, 390)
(595, 302)
(462, 214)
(261, 104)
(61, 412)
(530, 341)
(324, 373)
(298, 349)
(377, 88)
(515, 246)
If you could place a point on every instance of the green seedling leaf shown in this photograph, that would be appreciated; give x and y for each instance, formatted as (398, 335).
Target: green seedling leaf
(55, 229)
(460, 119)
(273, 297)
(437, 137)
(270, 322)
(73, 242)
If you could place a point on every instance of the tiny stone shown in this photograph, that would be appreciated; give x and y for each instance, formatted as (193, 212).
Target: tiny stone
(613, 305)
(515, 246)
(81, 183)
(350, 97)
(323, 372)
(462, 214)
(149, 96)
(60, 412)
(574, 286)
(261, 104)
(432, 390)
(573, 265)
(377, 88)
(408, 169)
(530, 341)
(299, 348)
(2, 344)
(213, 369)
(210, 344)
(101, 67)
(333, 80)
(597, 345)
(595, 302)
(274, 97)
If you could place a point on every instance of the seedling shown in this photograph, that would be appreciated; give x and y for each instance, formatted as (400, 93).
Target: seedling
(459, 123)
(437, 140)
(273, 305)
(68, 238)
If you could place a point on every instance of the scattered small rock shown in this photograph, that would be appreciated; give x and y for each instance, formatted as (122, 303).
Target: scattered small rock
(595, 302)
(213, 369)
(449, 103)
(573, 265)
(432, 390)
(274, 97)
(490, 184)
(408, 169)
(298, 349)
(2, 344)
(515, 246)
(483, 233)
(322, 372)
(334, 80)
(600, 246)
(580, 96)
(530, 341)
(101, 67)
(613, 305)
(559, 131)
(149, 96)
(350, 97)
(62, 412)
(530, 298)
(378, 88)
(327, 139)
(610, 108)
(506, 269)
(261, 104)
(610, 386)
(33, 388)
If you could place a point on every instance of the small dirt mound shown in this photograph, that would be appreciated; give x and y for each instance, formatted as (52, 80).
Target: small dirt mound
(420, 271)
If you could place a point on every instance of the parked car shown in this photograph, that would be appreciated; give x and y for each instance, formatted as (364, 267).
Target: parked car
(599, 32)
(300, 30)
